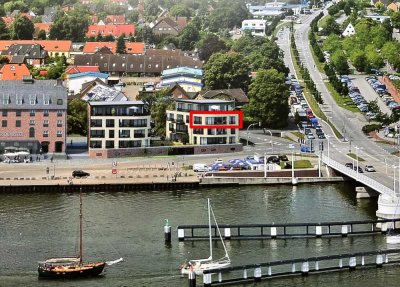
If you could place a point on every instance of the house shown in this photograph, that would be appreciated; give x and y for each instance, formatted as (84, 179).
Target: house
(75, 81)
(152, 63)
(97, 90)
(377, 3)
(197, 129)
(52, 47)
(177, 92)
(115, 19)
(81, 69)
(349, 31)
(394, 6)
(268, 10)
(238, 96)
(31, 54)
(137, 48)
(169, 25)
(34, 115)
(188, 78)
(97, 47)
(114, 30)
(117, 127)
(14, 72)
(42, 26)
(379, 18)
(256, 26)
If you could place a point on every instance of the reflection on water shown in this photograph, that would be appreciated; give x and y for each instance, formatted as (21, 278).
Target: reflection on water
(130, 225)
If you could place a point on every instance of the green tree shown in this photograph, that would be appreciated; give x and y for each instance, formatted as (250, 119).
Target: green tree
(22, 29)
(159, 112)
(42, 35)
(4, 32)
(268, 99)
(390, 51)
(331, 27)
(145, 34)
(395, 19)
(332, 43)
(359, 60)
(188, 37)
(209, 45)
(99, 37)
(228, 14)
(180, 10)
(121, 47)
(108, 38)
(72, 26)
(227, 70)
(339, 61)
(77, 117)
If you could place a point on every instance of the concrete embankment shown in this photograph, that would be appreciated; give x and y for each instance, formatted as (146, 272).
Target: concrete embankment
(270, 181)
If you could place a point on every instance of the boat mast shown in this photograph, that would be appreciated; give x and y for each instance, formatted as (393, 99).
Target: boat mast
(80, 228)
(209, 227)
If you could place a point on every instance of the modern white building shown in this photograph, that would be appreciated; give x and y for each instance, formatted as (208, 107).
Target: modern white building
(117, 125)
(188, 78)
(349, 31)
(256, 26)
(75, 81)
(202, 133)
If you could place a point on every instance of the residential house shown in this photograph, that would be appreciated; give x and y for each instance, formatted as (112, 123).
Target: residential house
(377, 3)
(137, 48)
(394, 6)
(115, 19)
(33, 115)
(42, 26)
(114, 30)
(52, 47)
(49, 14)
(256, 26)
(75, 81)
(349, 31)
(238, 96)
(97, 47)
(31, 54)
(177, 92)
(117, 127)
(14, 72)
(152, 63)
(169, 25)
(188, 78)
(196, 129)
(98, 91)
(268, 10)
(379, 18)
(81, 69)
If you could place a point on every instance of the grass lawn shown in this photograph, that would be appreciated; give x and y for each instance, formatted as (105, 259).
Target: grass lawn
(302, 163)
(354, 156)
(298, 134)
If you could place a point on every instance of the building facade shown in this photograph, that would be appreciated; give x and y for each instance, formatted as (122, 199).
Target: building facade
(117, 125)
(33, 116)
(257, 27)
(188, 78)
(178, 122)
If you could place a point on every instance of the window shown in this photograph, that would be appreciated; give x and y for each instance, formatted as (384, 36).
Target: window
(4, 112)
(46, 123)
(4, 123)
(232, 120)
(32, 122)
(18, 100)
(18, 123)
(31, 132)
(111, 134)
(59, 102)
(46, 100)
(110, 123)
(59, 134)
(59, 113)
(45, 134)
(17, 113)
(109, 144)
(6, 99)
(46, 113)
(32, 99)
(233, 131)
(198, 120)
(59, 123)
(32, 113)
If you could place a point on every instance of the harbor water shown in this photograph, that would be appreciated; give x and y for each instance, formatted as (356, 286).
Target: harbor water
(35, 226)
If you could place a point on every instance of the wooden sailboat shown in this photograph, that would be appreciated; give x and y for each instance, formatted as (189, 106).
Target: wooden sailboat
(199, 265)
(71, 267)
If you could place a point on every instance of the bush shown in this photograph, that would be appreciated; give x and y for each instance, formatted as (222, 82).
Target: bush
(370, 128)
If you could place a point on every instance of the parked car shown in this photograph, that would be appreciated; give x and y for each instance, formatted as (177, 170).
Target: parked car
(348, 164)
(369, 168)
(359, 169)
(310, 136)
(218, 160)
(321, 136)
(80, 173)
(273, 159)
(283, 157)
(200, 167)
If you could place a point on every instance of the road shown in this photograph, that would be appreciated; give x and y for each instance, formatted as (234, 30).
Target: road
(350, 124)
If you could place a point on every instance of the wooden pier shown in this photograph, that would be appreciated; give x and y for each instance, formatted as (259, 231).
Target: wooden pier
(301, 266)
(287, 230)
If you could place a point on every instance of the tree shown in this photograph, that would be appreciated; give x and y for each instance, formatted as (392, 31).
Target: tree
(359, 60)
(331, 27)
(268, 99)
(121, 47)
(145, 34)
(22, 29)
(390, 51)
(229, 13)
(4, 32)
(339, 61)
(72, 26)
(42, 35)
(162, 103)
(108, 38)
(188, 37)
(77, 117)
(395, 18)
(180, 10)
(227, 70)
(209, 45)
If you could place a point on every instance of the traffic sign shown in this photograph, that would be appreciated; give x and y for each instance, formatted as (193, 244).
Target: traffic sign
(114, 171)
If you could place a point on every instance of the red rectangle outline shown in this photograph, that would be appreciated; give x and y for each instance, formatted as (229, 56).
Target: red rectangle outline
(239, 126)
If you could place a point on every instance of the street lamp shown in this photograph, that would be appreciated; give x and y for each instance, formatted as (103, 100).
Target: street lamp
(357, 148)
(248, 131)
(265, 165)
(328, 137)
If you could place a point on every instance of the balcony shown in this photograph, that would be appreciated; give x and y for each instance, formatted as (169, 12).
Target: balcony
(139, 135)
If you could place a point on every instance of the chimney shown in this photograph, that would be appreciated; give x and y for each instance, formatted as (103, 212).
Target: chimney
(59, 83)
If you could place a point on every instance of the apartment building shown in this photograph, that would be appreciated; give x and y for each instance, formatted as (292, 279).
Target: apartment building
(206, 114)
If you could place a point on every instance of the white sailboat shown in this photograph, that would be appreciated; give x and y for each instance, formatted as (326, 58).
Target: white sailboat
(199, 265)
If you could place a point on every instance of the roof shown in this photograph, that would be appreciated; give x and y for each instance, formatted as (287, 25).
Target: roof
(93, 47)
(99, 92)
(135, 47)
(37, 91)
(122, 103)
(29, 51)
(115, 19)
(48, 45)
(212, 101)
(14, 72)
(81, 69)
(88, 74)
(115, 30)
(235, 94)
(179, 71)
(43, 26)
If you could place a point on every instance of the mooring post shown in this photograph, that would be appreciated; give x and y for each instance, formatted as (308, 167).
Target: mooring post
(379, 261)
(362, 260)
(192, 279)
(181, 234)
(293, 267)
(316, 265)
(305, 268)
(227, 233)
(344, 230)
(245, 274)
(352, 263)
(269, 270)
(340, 263)
(219, 277)
(273, 232)
(384, 227)
(318, 231)
(207, 280)
(257, 274)
(167, 232)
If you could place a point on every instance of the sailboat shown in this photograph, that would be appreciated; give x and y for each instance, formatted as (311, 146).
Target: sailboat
(71, 267)
(199, 265)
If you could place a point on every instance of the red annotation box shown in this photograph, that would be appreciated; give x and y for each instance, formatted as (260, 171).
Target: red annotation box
(201, 113)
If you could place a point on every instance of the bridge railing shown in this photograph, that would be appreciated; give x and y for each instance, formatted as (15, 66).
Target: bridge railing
(370, 182)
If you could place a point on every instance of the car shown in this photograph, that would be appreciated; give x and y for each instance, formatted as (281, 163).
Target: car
(369, 168)
(307, 131)
(348, 164)
(218, 160)
(80, 174)
(321, 136)
(273, 159)
(200, 167)
(310, 137)
(319, 131)
(283, 157)
(358, 168)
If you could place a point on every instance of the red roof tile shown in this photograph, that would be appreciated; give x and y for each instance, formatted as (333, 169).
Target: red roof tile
(114, 30)
(48, 45)
(134, 47)
(93, 47)
(81, 69)
(14, 72)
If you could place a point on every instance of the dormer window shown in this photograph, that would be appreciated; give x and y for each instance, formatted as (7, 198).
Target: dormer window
(18, 100)
(46, 100)
(32, 99)
(6, 99)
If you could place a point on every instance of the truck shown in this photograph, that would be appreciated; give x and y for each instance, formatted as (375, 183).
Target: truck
(314, 122)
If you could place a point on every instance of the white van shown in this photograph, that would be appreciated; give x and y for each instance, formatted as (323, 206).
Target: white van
(200, 167)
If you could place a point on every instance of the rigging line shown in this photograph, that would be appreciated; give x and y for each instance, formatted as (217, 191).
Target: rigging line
(107, 242)
(219, 233)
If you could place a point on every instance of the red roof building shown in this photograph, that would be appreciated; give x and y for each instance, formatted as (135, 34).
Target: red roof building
(13, 72)
(42, 26)
(81, 69)
(134, 48)
(93, 47)
(115, 19)
(111, 29)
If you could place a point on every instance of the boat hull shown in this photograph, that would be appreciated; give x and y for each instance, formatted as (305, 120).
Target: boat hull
(80, 271)
(199, 270)
(393, 239)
